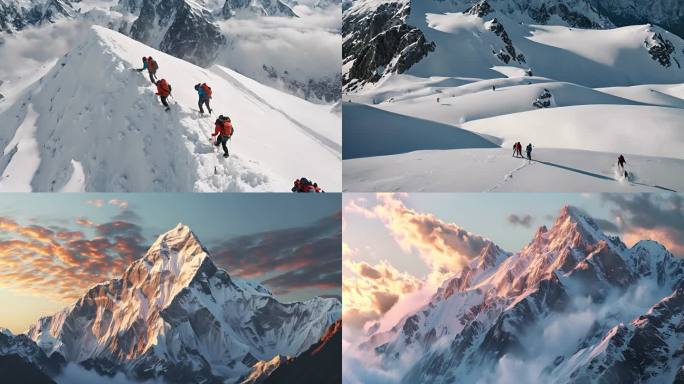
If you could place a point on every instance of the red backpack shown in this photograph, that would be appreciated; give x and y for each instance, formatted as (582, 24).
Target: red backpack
(227, 128)
(207, 89)
(163, 88)
(152, 64)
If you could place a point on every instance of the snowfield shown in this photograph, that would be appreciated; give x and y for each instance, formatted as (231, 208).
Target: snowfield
(93, 124)
(496, 170)
(599, 93)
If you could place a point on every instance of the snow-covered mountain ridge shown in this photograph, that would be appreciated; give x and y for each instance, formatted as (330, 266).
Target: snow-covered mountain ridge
(467, 38)
(187, 29)
(505, 310)
(67, 131)
(174, 315)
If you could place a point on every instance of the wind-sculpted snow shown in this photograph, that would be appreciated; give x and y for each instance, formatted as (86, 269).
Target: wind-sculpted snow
(574, 305)
(92, 107)
(174, 315)
(399, 134)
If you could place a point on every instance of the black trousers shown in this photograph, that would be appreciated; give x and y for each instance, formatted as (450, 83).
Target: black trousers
(204, 101)
(163, 100)
(153, 76)
(222, 140)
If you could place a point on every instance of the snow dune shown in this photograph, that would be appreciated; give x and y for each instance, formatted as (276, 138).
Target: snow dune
(608, 96)
(363, 137)
(98, 117)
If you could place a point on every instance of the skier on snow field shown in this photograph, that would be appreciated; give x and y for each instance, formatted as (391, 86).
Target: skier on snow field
(223, 132)
(621, 165)
(528, 149)
(163, 91)
(204, 92)
(621, 162)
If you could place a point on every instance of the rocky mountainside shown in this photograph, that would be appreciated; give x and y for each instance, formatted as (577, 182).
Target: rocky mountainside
(21, 360)
(502, 310)
(18, 14)
(187, 29)
(14, 369)
(174, 315)
(319, 364)
(381, 38)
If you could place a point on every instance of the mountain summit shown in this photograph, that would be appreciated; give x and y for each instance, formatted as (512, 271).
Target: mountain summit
(173, 314)
(506, 311)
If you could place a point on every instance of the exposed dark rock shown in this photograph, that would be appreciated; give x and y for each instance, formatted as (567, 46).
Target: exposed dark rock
(381, 42)
(14, 369)
(661, 50)
(319, 364)
(508, 53)
(480, 9)
(544, 101)
(262, 8)
(14, 17)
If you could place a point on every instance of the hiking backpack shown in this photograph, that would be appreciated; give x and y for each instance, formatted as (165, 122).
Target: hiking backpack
(207, 89)
(228, 128)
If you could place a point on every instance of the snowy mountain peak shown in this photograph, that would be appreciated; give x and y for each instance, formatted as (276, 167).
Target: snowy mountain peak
(572, 228)
(174, 313)
(6, 332)
(482, 320)
(178, 251)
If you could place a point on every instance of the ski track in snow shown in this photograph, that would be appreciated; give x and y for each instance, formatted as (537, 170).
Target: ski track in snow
(510, 175)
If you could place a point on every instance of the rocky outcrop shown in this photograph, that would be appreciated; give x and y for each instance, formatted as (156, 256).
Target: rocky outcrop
(178, 29)
(544, 100)
(572, 18)
(326, 89)
(508, 53)
(319, 364)
(661, 50)
(379, 42)
(479, 9)
(231, 8)
(15, 16)
(22, 358)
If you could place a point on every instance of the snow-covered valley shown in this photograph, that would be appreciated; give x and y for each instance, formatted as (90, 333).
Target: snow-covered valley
(579, 89)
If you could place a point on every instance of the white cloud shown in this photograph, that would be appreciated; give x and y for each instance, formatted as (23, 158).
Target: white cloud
(307, 46)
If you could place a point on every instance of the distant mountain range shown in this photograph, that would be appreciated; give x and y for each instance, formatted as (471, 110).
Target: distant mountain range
(393, 36)
(186, 29)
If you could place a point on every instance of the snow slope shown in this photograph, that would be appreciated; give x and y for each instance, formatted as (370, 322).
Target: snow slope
(479, 170)
(398, 134)
(91, 108)
(508, 71)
